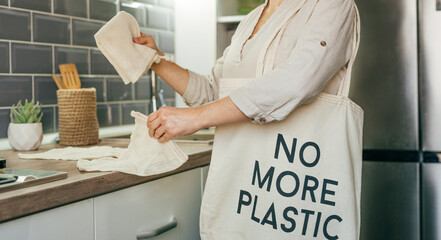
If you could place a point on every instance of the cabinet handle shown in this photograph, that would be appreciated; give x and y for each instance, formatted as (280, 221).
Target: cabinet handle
(157, 231)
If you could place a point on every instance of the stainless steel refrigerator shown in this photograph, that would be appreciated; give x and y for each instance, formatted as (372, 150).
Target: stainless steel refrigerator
(397, 81)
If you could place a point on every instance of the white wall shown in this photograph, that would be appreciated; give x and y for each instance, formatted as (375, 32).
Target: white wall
(195, 36)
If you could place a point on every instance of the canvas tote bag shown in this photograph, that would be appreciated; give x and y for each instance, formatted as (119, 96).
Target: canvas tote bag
(299, 178)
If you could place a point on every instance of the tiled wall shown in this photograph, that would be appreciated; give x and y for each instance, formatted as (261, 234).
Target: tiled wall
(37, 35)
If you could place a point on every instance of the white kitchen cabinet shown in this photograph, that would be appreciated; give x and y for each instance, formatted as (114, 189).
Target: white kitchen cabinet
(70, 222)
(123, 214)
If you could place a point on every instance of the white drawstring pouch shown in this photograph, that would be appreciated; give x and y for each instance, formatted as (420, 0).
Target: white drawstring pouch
(115, 40)
(145, 156)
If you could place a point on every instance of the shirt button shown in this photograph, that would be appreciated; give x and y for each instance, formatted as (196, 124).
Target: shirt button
(323, 43)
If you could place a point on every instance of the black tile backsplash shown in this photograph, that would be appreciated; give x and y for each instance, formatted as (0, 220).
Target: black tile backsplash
(129, 107)
(51, 29)
(39, 5)
(15, 25)
(102, 9)
(98, 84)
(99, 64)
(76, 8)
(48, 120)
(118, 91)
(83, 31)
(79, 56)
(4, 57)
(167, 42)
(4, 122)
(157, 18)
(14, 88)
(143, 89)
(108, 114)
(38, 35)
(27, 58)
(45, 90)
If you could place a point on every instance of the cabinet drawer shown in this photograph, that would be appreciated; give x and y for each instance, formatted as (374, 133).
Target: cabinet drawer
(123, 214)
(70, 222)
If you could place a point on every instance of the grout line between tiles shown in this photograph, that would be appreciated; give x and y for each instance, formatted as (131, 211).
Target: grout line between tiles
(32, 26)
(49, 44)
(88, 9)
(53, 60)
(33, 88)
(10, 58)
(89, 61)
(120, 114)
(71, 31)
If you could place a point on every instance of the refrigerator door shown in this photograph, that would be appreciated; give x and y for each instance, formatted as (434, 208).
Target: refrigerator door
(385, 77)
(431, 201)
(389, 201)
(430, 72)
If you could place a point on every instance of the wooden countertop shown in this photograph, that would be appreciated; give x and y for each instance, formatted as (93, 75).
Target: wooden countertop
(78, 185)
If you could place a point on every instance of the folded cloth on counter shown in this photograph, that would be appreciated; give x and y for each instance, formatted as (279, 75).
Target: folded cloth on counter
(115, 40)
(145, 156)
(75, 153)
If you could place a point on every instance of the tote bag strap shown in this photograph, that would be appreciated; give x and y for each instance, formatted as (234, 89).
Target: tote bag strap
(276, 36)
(346, 83)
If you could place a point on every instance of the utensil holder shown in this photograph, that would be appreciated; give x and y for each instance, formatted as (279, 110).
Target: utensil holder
(78, 124)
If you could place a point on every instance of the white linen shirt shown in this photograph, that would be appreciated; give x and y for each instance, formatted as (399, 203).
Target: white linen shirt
(310, 59)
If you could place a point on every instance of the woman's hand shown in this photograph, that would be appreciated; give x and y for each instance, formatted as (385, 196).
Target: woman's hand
(148, 41)
(170, 122)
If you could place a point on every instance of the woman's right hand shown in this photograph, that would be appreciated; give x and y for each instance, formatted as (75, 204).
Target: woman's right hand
(148, 41)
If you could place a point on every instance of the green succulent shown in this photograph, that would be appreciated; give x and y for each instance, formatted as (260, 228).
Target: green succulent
(27, 113)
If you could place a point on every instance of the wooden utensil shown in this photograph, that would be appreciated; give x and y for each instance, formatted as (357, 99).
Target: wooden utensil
(58, 81)
(71, 79)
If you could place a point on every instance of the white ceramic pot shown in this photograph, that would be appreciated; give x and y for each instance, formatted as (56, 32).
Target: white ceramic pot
(25, 136)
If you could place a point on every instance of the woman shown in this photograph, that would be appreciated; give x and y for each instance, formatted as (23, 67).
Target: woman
(308, 43)
(328, 34)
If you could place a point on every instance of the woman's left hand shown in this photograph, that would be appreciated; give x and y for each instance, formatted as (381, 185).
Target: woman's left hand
(171, 122)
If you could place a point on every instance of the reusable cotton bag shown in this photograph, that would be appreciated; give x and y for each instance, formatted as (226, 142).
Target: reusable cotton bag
(299, 178)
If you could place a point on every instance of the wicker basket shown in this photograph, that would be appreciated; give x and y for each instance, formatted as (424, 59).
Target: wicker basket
(78, 124)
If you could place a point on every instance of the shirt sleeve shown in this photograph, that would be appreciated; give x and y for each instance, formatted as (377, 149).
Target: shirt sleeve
(202, 89)
(322, 49)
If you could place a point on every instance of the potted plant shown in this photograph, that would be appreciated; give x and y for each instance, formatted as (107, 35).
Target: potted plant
(25, 132)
